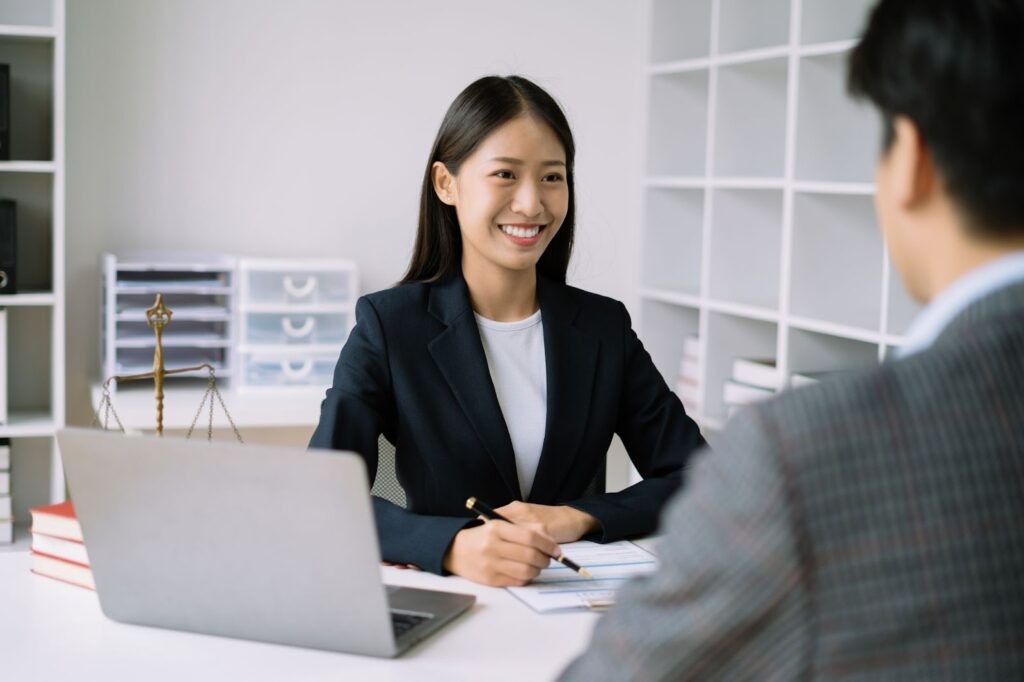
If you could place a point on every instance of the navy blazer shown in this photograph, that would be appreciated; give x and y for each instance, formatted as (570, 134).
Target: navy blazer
(414, 369)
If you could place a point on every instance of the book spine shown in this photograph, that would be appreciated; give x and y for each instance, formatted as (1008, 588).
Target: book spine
(5, 112)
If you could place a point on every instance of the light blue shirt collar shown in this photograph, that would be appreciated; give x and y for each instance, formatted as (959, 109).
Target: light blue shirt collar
(964, 291)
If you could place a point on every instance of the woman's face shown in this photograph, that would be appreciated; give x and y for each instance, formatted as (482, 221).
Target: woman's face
(510, 196)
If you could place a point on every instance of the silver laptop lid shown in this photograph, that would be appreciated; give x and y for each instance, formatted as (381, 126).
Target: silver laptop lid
(265, 543)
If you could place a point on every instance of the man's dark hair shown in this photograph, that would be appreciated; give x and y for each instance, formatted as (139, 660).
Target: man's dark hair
(483, 107)
(956, 69)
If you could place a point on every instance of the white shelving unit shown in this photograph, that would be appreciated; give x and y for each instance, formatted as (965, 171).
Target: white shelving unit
(32, 43)
(759, 231)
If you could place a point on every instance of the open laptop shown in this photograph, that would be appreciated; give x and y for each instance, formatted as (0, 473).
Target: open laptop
(263, 543)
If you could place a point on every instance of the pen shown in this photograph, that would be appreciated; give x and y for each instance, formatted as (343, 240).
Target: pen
(482, 509)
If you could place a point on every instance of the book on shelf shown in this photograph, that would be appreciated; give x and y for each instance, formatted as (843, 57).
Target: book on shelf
(735, 393)
(60, 548)
(5, 482)
(691, 347)
(760, 372)
(6, 511)
(6, 531)
(57, 520)
(5, 454)
(60, 569)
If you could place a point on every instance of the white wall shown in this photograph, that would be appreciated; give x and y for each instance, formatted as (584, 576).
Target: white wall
(302, 127)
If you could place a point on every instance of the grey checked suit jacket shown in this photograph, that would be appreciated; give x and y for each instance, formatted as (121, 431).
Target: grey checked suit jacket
(866, 528)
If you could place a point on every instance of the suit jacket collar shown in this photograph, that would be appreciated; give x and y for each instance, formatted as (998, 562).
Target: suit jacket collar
(1004, 305)
(570, 357)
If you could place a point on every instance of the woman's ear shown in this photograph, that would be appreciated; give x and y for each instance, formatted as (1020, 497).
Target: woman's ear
(444, 183)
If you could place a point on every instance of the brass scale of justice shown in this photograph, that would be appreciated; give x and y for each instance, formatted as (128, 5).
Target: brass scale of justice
(158, 317)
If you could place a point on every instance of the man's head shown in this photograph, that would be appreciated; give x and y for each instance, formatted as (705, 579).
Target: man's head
(948, 79)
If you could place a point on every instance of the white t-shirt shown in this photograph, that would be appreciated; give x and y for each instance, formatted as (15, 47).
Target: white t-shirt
(515, 358)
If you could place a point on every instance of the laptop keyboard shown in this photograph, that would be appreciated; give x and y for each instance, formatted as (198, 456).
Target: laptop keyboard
(401, 622)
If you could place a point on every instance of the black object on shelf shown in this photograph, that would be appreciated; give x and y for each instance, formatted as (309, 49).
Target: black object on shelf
(8, 246)
(5, 112)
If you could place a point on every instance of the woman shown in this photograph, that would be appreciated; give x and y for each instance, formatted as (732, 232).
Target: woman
(490, 375)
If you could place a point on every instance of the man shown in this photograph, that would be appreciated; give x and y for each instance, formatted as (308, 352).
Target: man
(873, 527)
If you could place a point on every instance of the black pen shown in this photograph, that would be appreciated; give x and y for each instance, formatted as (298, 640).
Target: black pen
(482, 509)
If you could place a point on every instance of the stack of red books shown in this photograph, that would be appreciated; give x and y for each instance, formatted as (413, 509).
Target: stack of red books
(57, 548)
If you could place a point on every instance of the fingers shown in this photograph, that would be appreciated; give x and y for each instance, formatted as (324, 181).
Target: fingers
(527, 536)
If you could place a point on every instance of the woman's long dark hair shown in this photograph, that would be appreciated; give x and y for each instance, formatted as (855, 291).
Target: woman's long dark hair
(478, 111)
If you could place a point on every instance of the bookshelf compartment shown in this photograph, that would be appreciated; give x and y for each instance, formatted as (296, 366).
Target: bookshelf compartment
(680, 29)
(26, 13)
(751, 128)
(731, 337)
(663, 328)
(672, 242)
(902, 308)
(33, 193)
(31, 466)
(752, 24)
(837, 260)
(826, 21)
(677, 131)
(746, 245)
(29, 345)
(812, 352)
(31, 97)
(838, 139)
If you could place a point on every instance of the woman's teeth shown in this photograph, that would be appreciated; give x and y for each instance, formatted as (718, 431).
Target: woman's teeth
(521, 232)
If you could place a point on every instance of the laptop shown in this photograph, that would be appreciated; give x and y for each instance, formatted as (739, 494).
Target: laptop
(262, 543)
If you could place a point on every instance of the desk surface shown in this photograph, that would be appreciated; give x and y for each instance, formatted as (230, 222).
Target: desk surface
(53, 631)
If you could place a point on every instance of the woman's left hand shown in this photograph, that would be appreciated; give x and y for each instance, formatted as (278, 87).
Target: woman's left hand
(563, 524)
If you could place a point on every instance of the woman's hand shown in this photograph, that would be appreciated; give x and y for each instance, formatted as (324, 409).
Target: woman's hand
(562, 523)
(500, 554)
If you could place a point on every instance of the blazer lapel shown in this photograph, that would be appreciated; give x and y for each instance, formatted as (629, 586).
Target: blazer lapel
(459, 355)
(571, 358)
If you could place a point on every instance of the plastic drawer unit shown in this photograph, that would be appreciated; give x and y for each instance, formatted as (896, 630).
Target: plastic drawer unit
(294, 317)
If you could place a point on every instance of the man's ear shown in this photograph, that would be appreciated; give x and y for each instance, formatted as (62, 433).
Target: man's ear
(913, 172)
(444, 183)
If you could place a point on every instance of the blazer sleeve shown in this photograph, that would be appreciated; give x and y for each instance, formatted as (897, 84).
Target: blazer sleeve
(660, 439)
(356, 410)
(728, 599)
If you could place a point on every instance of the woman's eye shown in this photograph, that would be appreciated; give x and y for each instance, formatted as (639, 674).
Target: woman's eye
(553, 177)
(504, 174)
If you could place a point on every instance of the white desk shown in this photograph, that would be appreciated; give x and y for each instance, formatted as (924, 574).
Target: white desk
(52, 631)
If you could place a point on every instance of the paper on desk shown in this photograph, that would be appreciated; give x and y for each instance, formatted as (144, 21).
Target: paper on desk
(558, 588)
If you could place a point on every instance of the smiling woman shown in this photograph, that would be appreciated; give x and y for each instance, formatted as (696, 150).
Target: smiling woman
(490, 375)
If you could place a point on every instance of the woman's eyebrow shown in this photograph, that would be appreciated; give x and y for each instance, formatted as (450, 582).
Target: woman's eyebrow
(520, 162)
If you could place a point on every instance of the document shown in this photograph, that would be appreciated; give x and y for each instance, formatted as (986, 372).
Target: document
(558, 588)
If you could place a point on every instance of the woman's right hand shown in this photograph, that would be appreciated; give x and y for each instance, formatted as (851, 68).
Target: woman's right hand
(500, 554)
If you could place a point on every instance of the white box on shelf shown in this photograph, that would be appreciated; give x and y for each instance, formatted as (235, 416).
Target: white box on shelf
(5, 482)
(759, 372)
(691, 347)
(6, 531)
(735, 393)
(6, 511)
(5, 454)
(689, 370)
(688, 392)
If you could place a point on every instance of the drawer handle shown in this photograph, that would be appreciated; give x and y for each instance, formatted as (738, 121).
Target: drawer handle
(299, 370)
(304, 330)
(296, 291)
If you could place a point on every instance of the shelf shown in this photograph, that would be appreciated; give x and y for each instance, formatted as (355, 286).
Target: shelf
(740, 310)
(731, 337)
(833, 329)
(154, 289)
(36, 298)
(182, 313)
(671, 297)
(677, 129)
(663, 328)
(837, 258)
(670, 182)
(840, 47)
(751, 128)
(291, 348)
(27, 167)
(33, 193)
(752, 24)
(747, 183)
(682, 66)
(749, 56)
(854, 188)
(746, 246)
(172, 341)
(838, 140)
(297, 308)
(824, 21)
(672, 245)
(15, 32)
(28, 424)
(31, 62)
(680, 29)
